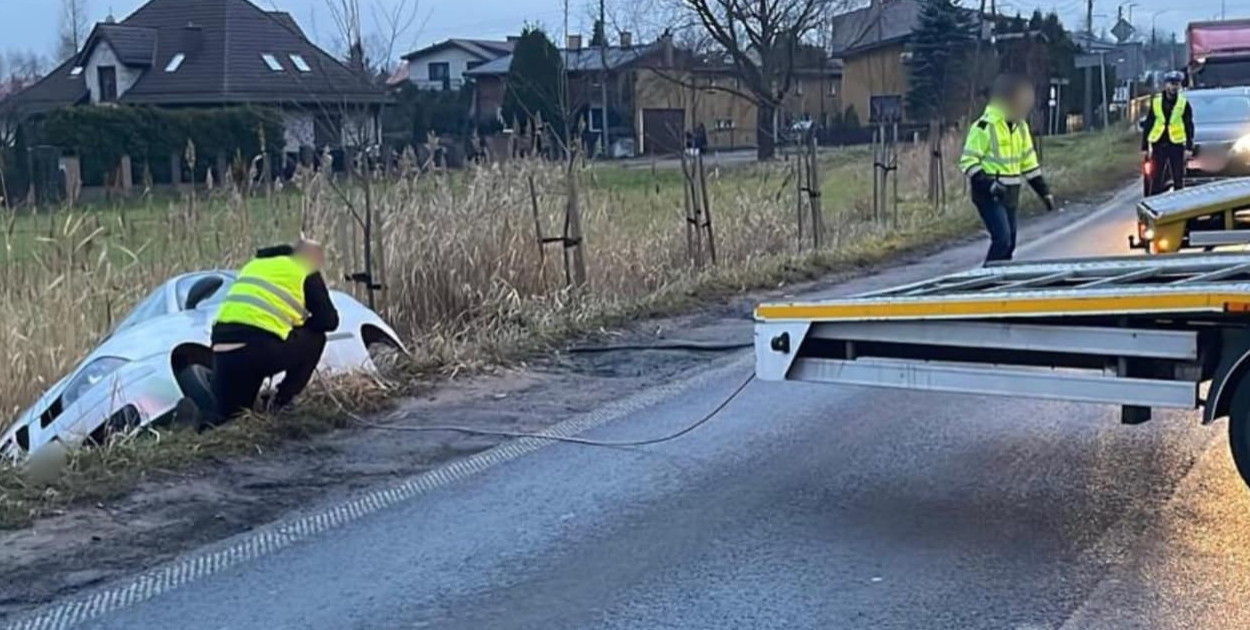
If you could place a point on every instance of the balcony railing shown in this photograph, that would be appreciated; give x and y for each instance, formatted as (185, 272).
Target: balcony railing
(439, 84)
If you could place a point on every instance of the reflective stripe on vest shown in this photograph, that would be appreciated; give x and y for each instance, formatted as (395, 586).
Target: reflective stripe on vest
(268, 294)
(1175, 123)
(1006, 148)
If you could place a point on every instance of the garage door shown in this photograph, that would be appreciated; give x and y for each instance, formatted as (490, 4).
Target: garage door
(663, 131)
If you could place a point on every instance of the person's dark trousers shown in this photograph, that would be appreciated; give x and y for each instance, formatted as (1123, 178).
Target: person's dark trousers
(1167, 161)
(999, 218)
(238, 374)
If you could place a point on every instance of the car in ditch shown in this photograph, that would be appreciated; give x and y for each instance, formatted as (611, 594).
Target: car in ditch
(156, 365)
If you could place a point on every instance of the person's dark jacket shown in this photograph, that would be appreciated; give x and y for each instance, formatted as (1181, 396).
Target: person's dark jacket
(322, 316)
(1169, 103)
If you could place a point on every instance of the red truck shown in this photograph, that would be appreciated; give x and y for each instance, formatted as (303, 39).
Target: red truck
(1219, 53)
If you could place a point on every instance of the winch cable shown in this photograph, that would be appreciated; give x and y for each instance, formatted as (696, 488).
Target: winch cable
(452, 428)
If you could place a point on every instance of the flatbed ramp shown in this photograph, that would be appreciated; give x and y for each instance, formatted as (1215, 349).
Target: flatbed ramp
(1139, 332)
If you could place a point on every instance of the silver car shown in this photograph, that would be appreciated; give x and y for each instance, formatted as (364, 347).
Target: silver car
(1221, 132)
(156, 363)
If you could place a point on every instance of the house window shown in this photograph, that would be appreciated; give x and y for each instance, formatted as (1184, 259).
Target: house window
(725, 123)
(885, 108)
(833, 89)
(798, 88)
(594, 118)
(440, 71)
(175, 62)
(108, 83)
(299, 63)
(272, 62)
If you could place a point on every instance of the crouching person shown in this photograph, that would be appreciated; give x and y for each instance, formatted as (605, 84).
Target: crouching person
(273, 319)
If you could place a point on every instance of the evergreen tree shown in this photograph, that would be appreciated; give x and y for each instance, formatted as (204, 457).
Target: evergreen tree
(534, 82)
(939, 52)
(598, 37)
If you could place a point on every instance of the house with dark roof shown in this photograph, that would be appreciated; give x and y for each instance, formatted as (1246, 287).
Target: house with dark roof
(208, 53)
(442, 66)
(656, 92)
(872, 44)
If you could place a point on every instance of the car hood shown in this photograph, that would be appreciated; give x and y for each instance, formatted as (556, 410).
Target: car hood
(1220, 132)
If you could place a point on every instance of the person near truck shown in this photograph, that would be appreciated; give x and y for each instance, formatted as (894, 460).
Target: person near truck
(273, 320)
(1167, 140)
(998, 158)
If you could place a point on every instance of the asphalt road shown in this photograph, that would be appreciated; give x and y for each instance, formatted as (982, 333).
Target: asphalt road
(801, 506)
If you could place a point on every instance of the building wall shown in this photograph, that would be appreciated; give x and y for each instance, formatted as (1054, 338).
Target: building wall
(729, 117)
(457, 59)
(872, 73)
(103, 55)
(300, 130)
(488, 98)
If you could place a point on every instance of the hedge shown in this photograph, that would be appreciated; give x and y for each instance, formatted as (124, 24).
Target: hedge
(100, 136)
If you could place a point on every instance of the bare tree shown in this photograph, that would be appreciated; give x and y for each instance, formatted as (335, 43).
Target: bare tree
(73, 29)
(393, 23)
(760, 38)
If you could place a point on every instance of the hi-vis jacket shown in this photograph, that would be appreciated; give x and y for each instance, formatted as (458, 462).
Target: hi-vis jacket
(1000, 150)
(268, 294)
(1177, 121)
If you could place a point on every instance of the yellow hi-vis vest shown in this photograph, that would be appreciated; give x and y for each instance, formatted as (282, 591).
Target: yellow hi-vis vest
(1002, 151)
(267, 294)
(1175, 123)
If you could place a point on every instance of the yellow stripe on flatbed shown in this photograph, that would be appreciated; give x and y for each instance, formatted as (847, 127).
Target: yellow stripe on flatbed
(991, 307)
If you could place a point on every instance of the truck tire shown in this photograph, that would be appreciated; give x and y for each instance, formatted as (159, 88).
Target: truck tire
(1239, 428)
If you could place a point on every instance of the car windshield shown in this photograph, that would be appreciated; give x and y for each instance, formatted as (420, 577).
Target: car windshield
(152, 306)
(1220, 108)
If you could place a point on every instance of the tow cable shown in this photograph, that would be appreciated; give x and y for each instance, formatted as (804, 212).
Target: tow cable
(451, 428)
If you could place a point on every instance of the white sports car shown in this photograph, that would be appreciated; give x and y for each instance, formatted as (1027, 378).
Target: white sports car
(157, 362)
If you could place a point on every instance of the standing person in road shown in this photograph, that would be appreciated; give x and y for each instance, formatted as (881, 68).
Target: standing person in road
(1167, 139)
(273, 319)
(998, 157)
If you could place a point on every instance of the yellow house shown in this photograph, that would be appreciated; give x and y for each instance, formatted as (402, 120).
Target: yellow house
(671, 102)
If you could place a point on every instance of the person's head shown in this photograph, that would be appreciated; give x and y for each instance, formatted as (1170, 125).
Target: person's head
(1015, 94)
(310, 252)
(1172, 82)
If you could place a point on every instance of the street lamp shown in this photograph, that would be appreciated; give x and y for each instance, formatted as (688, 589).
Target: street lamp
(1153, 17)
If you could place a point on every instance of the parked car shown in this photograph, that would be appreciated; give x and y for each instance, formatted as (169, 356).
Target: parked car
(1221, 132)
(156, 363)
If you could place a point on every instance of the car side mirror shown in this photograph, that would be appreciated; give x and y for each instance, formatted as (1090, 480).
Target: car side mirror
(202, 289)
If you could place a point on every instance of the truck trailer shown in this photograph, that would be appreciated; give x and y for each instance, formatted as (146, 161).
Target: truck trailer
(1219, 53)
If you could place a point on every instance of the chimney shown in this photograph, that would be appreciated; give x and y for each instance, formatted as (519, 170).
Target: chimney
(192, 39)
(666, 46)
(575, 42)
(627, 39)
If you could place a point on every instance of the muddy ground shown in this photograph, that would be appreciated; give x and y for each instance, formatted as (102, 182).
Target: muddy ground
(172, 513)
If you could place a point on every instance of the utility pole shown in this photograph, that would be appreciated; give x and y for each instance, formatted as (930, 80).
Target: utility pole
(603, 83)
(1089, 18)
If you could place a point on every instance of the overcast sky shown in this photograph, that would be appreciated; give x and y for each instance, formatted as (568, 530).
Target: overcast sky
(32, 24)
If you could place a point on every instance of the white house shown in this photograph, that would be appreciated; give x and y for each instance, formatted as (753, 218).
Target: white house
(442, 65)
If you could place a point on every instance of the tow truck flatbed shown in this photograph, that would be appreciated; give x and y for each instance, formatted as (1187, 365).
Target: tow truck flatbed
(1139, 332)
(1205, 216)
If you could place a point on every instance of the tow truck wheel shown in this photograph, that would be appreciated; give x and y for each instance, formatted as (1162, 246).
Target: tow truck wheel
(1239, 428)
